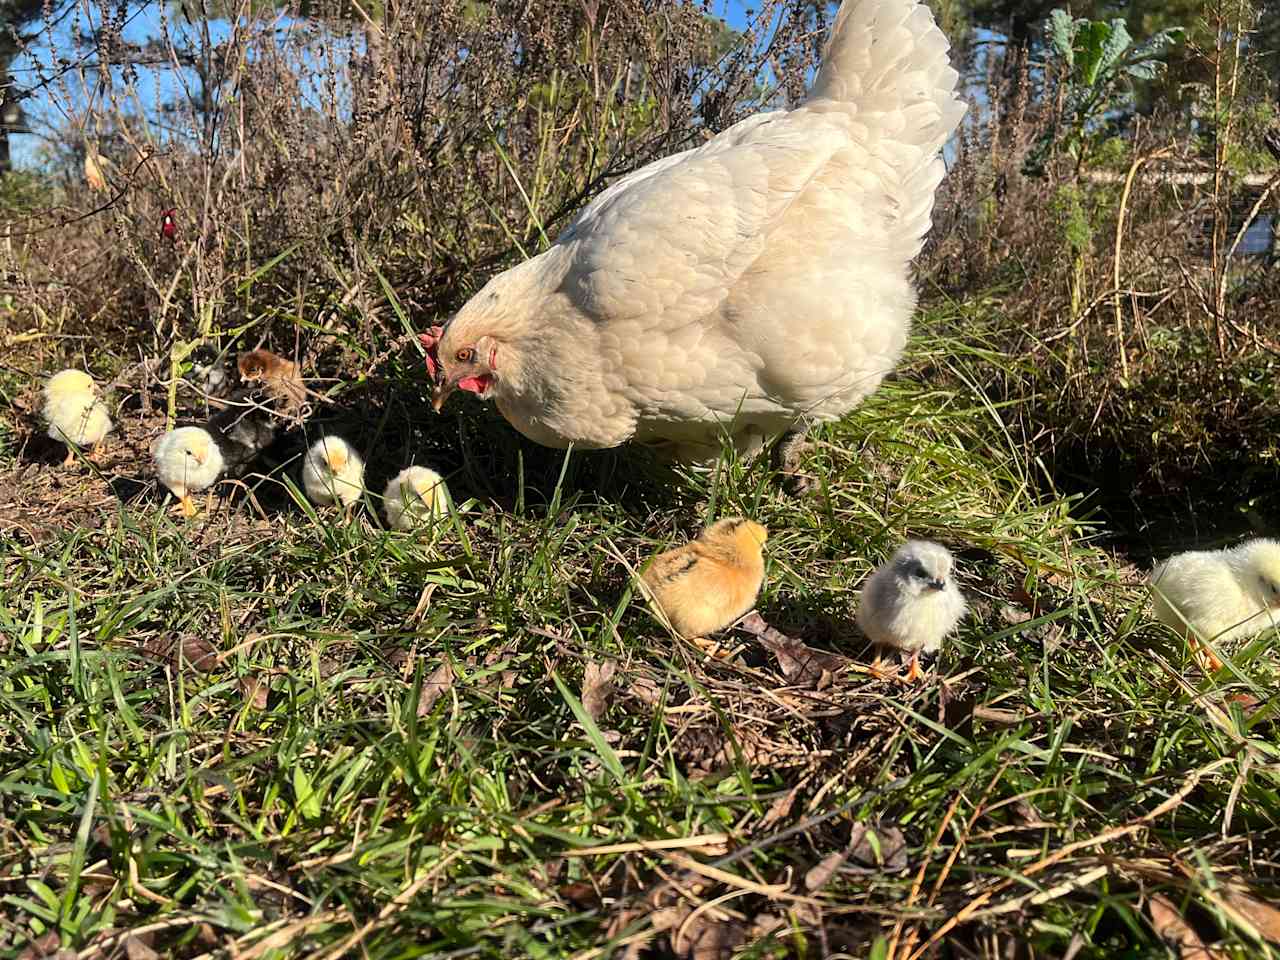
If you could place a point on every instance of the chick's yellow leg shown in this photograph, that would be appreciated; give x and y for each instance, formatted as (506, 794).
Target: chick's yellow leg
(187, 507)
(1206, 658)
(914, 673)
(878, 670)
(71, 456)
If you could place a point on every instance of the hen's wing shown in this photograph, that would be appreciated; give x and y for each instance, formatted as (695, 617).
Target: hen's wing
(657, 257)
(668, 242)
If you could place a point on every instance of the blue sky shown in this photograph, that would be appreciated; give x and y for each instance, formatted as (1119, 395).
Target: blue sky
(46, 110)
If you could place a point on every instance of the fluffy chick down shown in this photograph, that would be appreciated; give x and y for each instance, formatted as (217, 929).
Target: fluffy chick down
(911, 602)
(332, 472)
(1219, 595)
(413, 495)
(187, 461)
(710, 582)
(72, 410)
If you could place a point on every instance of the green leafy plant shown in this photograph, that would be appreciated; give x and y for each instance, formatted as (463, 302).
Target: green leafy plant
(1099, 62)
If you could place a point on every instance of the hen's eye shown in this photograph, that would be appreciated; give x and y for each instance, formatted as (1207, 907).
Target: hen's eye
(466, 355)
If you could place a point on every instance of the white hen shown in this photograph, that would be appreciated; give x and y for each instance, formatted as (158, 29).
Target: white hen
(1219, 595)
(73, 411)
(754, 282)
(332, 472)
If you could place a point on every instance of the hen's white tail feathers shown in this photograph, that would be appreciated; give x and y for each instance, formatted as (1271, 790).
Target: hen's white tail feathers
(888, 59)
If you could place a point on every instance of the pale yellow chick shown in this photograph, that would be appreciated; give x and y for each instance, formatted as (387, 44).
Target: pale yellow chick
(187, 460)
(1219, 595)
(710, 582)
(912, 602)
(73, 411)
(332, 472)
(413, 495)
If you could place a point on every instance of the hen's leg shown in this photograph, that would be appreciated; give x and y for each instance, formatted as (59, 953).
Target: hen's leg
(786, 460)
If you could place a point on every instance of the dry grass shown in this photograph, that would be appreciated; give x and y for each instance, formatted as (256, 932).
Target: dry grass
(278, 731)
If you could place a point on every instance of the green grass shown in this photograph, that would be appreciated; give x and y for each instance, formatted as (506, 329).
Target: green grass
(1073, 766)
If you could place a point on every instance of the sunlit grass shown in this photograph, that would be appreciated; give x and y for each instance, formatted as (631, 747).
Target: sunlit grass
(143, 792)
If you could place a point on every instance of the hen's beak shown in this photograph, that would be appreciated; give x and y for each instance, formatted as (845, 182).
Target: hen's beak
(441, 394)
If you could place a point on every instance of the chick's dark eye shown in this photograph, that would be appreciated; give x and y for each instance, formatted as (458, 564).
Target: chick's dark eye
(465, 355)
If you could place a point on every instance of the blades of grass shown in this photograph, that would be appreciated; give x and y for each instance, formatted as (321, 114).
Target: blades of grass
(76, 865)
(606, 753)
(248, 282)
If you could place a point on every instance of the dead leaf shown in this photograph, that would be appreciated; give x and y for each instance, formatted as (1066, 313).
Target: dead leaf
(1175, 931)
(801, 664)
(779, 808)
(1012, 615)
(646, 690)
(435, 686)
(137, 948)
(597, 687)
(819, 876)
(1007, 718)
(699, 935)
(580, 894)
(42, 946)
(1257, 914)
(507, 678)
(878, 849)
(93, 175)
(188, 650)
(424, 601)
(255, 690)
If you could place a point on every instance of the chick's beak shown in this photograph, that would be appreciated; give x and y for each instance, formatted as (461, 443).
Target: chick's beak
(938, 584)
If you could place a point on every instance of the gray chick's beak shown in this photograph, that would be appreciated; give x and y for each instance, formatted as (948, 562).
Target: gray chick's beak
(938, 584)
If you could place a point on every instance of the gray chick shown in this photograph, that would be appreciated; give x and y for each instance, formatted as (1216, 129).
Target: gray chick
(911, 603)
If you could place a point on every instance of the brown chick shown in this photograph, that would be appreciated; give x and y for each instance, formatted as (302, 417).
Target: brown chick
(709, 582)
(280, 377)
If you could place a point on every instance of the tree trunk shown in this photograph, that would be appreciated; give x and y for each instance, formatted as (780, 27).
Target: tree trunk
(5, 86)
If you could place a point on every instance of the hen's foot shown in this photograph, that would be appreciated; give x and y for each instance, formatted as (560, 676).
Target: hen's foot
(788, 453)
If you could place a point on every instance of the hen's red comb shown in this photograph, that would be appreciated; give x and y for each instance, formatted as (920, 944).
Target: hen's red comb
(430, 339)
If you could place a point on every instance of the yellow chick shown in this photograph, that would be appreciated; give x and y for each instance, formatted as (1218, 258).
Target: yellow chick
(414, 494)
(188, 460)
(711, 581)
(332, 472)
(1218, 595)
(73, 411)
(911, 602)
